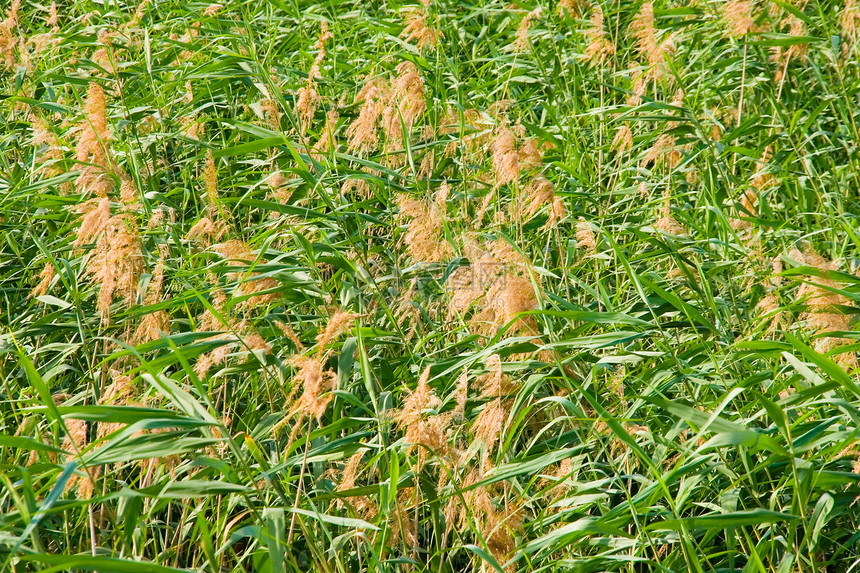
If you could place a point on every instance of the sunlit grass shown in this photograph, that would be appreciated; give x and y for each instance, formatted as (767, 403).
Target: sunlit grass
(429, 287)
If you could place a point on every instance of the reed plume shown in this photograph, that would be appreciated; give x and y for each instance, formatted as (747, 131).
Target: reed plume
(92, 149)
(664, 150)
(530, 154)
(119, 392)
(600, 46)
(363, 504)
(337, 324)
(648, 44)
(314, 380)
(506, 163)
(272, 113)
(116, 263)
(825, 309)
(327, 140)
(408, 94)
(43, 136)
(426, 230)
(362, 134)
(417, 29)
(316, 384)
(536, 194)
(308, 99)
(797, 51)
(737, 17)
(154, 323)
(243, 337)
(212, 10)
(53, 19)
(46, 277)
(494, 286)
(8, 41)
(639, 85)
(667, 222)
(748, 203)
(75, 441)
(573, 8)
(214, 225)
(849, 19)
(623, 140)
(497, 526)
(251, 284)
(405, 104)
(426, 433)
(360, 187)
(585, 236)
(522, 36)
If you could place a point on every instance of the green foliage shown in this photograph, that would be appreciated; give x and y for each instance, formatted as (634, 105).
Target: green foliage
(259, 357)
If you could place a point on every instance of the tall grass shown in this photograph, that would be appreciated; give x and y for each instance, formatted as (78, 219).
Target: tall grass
(437, 286)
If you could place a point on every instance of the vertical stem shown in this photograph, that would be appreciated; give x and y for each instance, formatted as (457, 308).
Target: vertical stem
(743, 82)
(92, 530)
(299, 487)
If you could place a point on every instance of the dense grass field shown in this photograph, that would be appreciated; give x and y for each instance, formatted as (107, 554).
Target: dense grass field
(458, 285)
